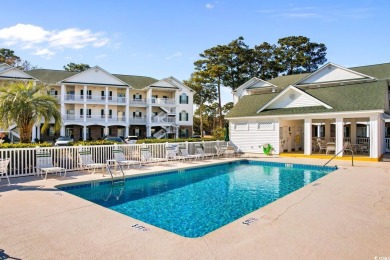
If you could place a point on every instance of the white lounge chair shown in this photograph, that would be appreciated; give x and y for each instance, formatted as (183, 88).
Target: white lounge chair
(4, 169)
(120, 159)
(146, 157)
(86, 162)
(202, 153)
(186, 155)
(45, 165)
(171, 155)
(221, 152)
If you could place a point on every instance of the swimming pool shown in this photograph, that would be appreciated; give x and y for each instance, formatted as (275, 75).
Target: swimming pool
(193, 202)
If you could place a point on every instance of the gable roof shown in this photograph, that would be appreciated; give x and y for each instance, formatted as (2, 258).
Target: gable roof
(285, 81)
(54, 76)
(379, 71)
(9, 72)
(341, 98)
(292, 97)
(332, 73)
(255, 83)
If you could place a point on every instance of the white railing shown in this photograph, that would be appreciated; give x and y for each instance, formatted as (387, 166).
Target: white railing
(138, 101)
(23, 160)
(137, 120)
(95, 118)
(163, 101)
(89, 98)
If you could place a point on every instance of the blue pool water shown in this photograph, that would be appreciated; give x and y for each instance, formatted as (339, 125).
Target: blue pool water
(194, 202)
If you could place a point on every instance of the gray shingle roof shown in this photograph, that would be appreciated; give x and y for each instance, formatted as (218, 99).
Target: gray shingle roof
(54, 76)
(342, 98)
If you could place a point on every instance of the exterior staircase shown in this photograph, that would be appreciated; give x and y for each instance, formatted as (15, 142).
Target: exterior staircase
(160, 134)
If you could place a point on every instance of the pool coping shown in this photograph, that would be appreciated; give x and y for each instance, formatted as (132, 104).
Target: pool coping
(316, 221)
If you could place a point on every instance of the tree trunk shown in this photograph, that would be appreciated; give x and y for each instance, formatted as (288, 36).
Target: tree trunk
(201, 120)
(219, 104)
(25, 133)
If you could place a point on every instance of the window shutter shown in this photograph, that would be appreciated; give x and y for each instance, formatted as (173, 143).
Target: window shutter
(186, 116)
(133, 114)
(180, 117)
(81, 111)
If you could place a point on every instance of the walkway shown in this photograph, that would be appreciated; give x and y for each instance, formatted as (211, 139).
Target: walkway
(345, 215)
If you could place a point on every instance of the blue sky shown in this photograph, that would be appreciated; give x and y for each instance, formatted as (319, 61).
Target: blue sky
(164, 38)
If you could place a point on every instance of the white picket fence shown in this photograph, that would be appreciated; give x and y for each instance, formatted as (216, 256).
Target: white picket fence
(23, 160)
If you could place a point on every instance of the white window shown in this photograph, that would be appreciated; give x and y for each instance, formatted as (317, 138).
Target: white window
(241, 127)
(268, 126)
(183, 99)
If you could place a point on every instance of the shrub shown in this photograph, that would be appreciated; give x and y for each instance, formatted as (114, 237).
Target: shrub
(25, 145)
(178, 140)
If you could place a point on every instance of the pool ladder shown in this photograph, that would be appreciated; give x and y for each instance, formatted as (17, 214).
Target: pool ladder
(116, 181)
(344, 149)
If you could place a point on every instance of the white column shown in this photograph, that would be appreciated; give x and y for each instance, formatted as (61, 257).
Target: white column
(62, 130)
(106, 130)
(327, 130)
(353, 131)
(85, 109)
(34, 133)
(127, 113)
(106, 113)
(339, 135)
(106, 93)
(84, 133)
(149, 113)
(307, 137)
(39, 131)
(374, 136)
(319, 131)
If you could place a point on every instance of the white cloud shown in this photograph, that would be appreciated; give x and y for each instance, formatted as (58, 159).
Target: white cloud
(46, 53)
(175, 55)
(44, 42)
(210, 6)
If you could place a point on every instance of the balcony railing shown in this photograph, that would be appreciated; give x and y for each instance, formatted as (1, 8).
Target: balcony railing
(163, 101)
(95, 118)
(99, 99)
(138, 101)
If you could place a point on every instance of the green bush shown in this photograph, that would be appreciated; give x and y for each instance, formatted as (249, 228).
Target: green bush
(96, 142)
(178, 140)
(219, 133)
(25, 145)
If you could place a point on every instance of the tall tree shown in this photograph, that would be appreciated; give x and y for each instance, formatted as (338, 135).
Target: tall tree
(25, 104)
(8, 56)
(264, 64)
(76, 67)
(205, 92)
(296, 54)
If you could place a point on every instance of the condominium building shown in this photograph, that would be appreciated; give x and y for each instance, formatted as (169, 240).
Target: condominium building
(95, 103)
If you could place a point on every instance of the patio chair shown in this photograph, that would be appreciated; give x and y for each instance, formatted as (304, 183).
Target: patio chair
(120, 159)
(171, 154)
(230, 151)
(321, 146)
(87, 163)
(4, 169)
(186, 155)
(147, 157)
(202, 153)
(220, 152)
(330, 147)
(363, 149)
(45, 165)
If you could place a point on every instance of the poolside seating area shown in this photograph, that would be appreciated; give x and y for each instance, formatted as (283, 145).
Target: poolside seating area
(86, 162)
(45, 165)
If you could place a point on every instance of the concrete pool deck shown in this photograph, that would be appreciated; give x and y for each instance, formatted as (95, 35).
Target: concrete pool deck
(344, 215)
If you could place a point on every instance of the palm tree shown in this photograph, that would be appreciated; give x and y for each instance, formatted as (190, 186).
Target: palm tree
(26, 103)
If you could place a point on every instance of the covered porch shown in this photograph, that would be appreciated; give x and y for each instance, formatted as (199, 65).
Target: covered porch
(364, 135)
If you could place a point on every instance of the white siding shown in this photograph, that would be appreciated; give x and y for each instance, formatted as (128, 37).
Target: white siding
(331, 73)
(95, 75)
(293, 98)
(15, 73)
(248, 137)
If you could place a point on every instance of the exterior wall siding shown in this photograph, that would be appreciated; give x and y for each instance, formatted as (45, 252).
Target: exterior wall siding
(294, 99)
(249, 139)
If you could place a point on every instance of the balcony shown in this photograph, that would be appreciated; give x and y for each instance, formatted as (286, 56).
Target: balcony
(138, 101)
(138, 120)
(95, 99)
(163, 101)
(95, 118)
